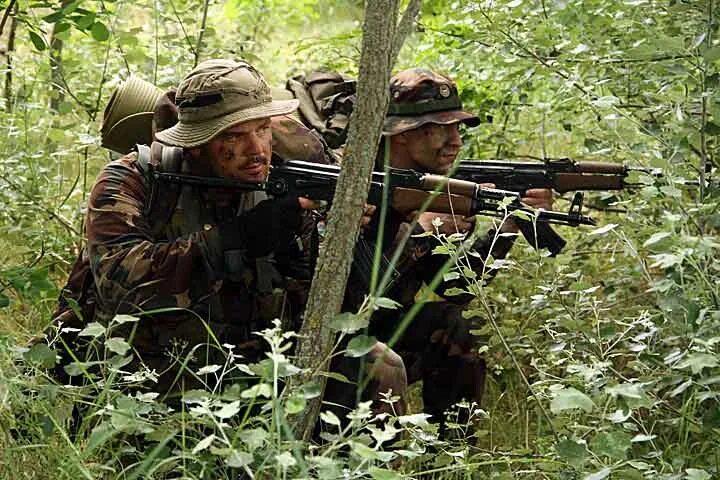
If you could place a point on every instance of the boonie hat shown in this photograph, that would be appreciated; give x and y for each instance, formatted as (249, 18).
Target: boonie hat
(419, 96)
(127, 119)
(216, 95)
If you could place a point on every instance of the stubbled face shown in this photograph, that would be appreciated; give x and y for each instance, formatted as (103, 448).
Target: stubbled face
(433, 148)
(242, 151)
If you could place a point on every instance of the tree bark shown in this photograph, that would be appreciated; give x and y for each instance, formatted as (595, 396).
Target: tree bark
(8, 59)
(330, 278)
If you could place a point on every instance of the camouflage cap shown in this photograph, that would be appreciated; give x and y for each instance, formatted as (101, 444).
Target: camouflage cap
(419, 96)
(216, 95)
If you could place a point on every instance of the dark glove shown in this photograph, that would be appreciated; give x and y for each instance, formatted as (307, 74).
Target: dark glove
(271, 225)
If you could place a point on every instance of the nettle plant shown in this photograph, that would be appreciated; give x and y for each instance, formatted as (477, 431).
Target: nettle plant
(605, 358)
(115, 426)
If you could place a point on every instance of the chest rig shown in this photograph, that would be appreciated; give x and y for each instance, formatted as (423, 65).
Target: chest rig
(174, 210)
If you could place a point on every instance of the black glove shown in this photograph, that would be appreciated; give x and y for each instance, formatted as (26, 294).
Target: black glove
(271, 225)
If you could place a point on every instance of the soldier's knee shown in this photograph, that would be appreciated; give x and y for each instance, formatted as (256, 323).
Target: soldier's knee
(388, 373)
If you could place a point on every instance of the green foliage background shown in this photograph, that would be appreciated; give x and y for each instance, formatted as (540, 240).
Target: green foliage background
(604, 360)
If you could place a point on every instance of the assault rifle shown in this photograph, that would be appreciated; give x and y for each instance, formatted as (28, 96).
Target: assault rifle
(562, 175)
(408, 191)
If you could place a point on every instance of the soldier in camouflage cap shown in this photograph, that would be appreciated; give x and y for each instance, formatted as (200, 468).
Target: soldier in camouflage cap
(421, 132)
(419, 96)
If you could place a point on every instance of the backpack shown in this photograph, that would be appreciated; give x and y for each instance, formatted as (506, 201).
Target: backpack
(326, 101)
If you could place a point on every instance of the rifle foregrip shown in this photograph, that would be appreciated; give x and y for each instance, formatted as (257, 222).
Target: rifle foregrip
(406, 200)
(568, 182)
(546, 236)
(600, 167)
(449, 185)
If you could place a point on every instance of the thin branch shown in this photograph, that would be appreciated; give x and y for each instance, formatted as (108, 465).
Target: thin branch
(404, 27)
(6, 15)
(203, 24)
(182, 27)
(17, 188)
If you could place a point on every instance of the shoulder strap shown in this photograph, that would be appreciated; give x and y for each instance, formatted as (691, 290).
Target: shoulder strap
(163, 196)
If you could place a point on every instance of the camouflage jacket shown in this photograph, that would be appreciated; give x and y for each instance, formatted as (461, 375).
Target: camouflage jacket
(136, 262)
(416, 265)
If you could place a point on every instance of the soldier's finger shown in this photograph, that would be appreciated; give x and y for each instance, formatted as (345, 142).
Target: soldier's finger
(307, 204)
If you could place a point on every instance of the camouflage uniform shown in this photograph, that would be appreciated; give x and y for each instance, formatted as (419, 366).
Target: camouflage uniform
(140, 261)
(437, 347)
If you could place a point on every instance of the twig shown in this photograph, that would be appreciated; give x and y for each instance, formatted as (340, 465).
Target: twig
(182, 27)
(404, 26)
(198, 46)
(6, 15)
(17, 188)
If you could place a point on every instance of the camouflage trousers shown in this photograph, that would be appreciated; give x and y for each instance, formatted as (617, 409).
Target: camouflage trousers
(438, 348)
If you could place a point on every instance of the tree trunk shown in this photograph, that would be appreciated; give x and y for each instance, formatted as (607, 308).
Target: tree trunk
(330, 278)
(8, 59)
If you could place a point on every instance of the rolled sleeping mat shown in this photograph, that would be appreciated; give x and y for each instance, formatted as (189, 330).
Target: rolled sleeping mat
(128, 116)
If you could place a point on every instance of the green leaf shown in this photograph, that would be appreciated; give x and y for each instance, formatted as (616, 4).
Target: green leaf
(330, 418)
(454, 291)
(363, 451)
(697, 361)
(286, 460)
(4, 300)
(712, 54)
(238, 459)
(604, 229)
(360, 345)
(655, 238)
(99, 32)
(349, 322)
(611, 444)
(93, 329)
(671, 191)
(117, 345)
(120, 319)
(295, 404)
(254, 438)
(569, 399)
(601, 475)
(228, 410)
(697, 474)
(37, 41)
(203, 444)
(42, 355)
(628, 390)
(383, 474)
(86, 21)
(384, 302)
(259, 390)
(572, 452)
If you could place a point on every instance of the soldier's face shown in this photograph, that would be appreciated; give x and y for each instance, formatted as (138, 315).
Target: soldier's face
(242, 151)
(432, 147)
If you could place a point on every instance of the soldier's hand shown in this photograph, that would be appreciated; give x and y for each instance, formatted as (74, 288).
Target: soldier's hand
(536, 198)
(450, 223)
(367, 215)
(272, 224)
(539, 198)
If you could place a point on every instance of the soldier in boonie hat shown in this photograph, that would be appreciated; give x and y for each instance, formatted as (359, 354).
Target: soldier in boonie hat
(216, 95)
(419, 96)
